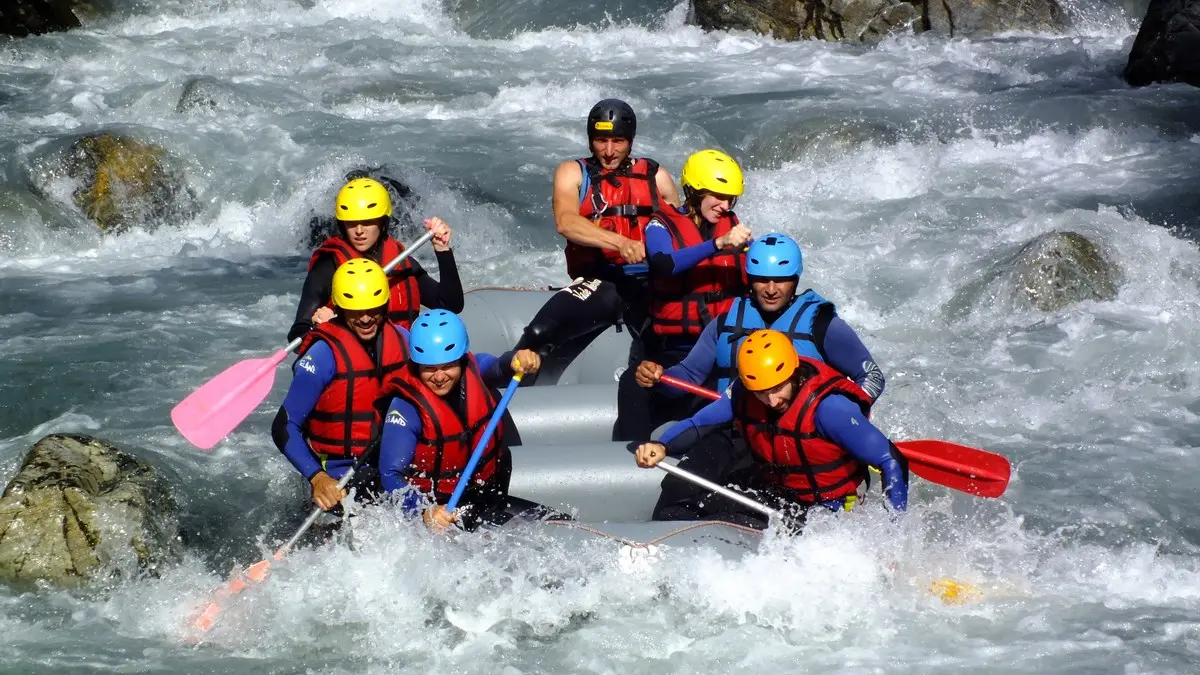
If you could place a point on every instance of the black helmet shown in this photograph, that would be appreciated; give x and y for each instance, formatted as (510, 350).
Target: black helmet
(611, 118)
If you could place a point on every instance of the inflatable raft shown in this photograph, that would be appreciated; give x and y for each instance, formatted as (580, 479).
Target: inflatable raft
(566, 460)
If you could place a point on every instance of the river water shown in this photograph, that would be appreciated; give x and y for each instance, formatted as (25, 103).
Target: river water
(947, 155)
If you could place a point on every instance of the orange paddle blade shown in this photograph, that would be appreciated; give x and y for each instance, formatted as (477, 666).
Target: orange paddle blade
(254, 574)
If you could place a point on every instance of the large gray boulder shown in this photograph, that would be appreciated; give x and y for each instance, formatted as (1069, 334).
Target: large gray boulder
(1167, 47)
(1050, 272)
(80, 510)
(867, 20)
(21, 18)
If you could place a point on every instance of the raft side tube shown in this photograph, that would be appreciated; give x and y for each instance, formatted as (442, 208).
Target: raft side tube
(595, 482)
(647, 538)
(567, 414)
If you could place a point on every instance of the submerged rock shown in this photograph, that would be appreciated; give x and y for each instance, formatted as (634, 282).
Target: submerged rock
(79, 509)
(1061, 268)
(322, 225)
(1050, 272)
(818, 138)
(866, 20)
(125, 183)
(201, 92)
(1167, 47)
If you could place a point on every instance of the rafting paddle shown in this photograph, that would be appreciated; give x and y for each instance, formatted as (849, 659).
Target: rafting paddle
(723, 491)
(959, 467)
(477, 453)
(208, 414)
(257, 572)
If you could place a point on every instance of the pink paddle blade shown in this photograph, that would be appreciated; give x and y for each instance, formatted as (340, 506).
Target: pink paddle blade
(208, 414)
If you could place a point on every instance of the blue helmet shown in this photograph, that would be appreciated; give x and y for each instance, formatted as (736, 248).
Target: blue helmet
(774, 256)
(437, 337)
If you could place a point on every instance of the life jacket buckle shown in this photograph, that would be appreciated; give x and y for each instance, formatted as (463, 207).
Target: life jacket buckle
(627, 211)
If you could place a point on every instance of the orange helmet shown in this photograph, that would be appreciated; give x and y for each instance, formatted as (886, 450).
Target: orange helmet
(766, 359)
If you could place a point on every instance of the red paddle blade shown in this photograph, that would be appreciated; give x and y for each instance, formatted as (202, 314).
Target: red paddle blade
(208, 414)
(970, 470)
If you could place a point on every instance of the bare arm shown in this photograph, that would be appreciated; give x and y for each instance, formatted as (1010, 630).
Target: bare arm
(568, 178)
(666, 187)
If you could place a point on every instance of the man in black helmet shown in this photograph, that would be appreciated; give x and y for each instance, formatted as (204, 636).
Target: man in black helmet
(601, 206)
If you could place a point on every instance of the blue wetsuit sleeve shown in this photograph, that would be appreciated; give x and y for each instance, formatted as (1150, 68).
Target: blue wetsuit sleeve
(683, 435)
(311, 374)
(841, 421)
(845, 351)
(698, 364)
(398, 444)
(495, 370)
(664, 260)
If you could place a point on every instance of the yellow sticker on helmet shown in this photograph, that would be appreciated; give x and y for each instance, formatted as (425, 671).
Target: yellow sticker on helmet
(603, 126)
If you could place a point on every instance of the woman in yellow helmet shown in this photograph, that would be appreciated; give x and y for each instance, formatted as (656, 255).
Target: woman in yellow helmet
(363, 210)
(806, 426)
(697, 269)
(329, 416)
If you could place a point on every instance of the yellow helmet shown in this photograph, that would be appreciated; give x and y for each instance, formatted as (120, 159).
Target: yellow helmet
(360, 284)
(766, 359)
(362, 199)
(714, 171)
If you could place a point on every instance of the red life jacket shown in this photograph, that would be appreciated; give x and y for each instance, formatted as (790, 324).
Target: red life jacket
(683, 304)
(405, 304)
(620, 201)
(448, 437)
(812, 468)
(345, 419)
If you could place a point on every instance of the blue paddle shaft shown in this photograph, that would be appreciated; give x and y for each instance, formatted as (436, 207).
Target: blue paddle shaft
(483, 441)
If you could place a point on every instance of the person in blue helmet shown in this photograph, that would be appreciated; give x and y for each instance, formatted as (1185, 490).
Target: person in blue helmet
(438, 408)
(774, 264)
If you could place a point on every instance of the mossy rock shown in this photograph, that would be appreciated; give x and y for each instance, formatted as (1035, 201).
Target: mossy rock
(80, 509)
(125, 182)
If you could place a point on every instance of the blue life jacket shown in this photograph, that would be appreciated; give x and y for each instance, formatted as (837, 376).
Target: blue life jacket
(797, 322)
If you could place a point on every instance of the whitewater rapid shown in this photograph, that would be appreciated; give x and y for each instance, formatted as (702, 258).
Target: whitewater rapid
(957, 152)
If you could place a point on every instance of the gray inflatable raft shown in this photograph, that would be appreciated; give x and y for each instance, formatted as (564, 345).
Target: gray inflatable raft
(566, 460)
